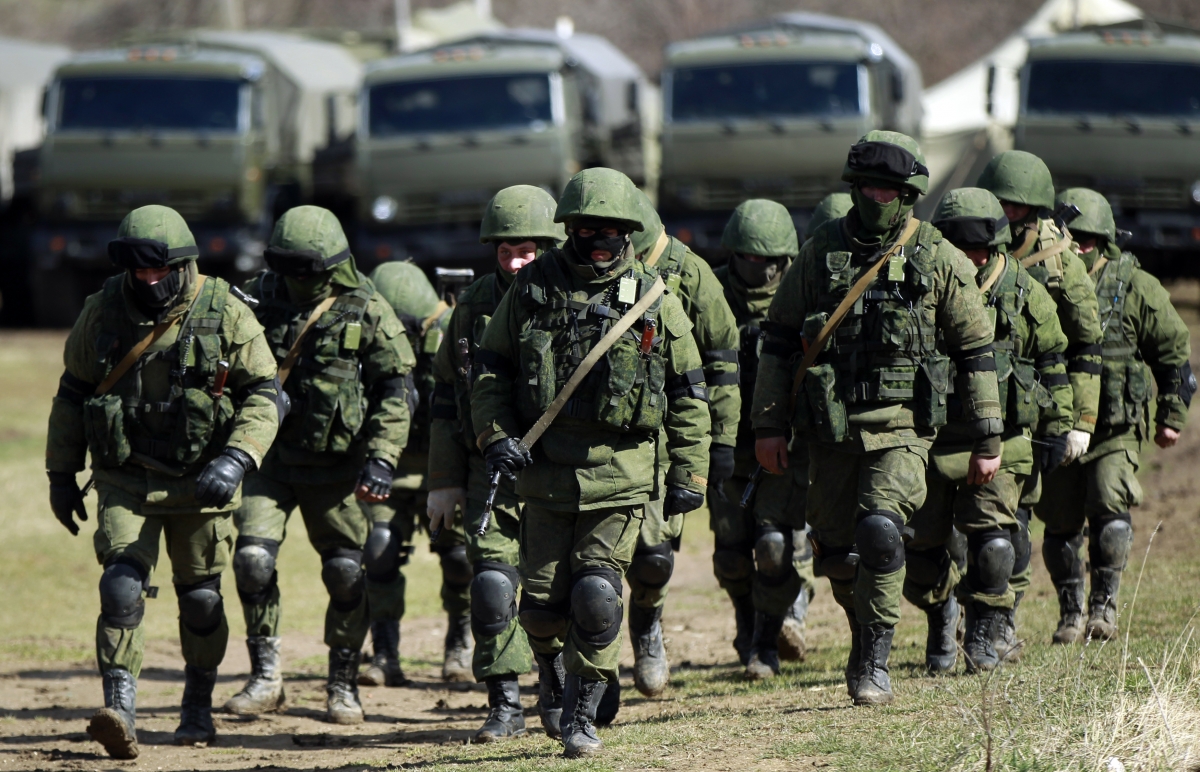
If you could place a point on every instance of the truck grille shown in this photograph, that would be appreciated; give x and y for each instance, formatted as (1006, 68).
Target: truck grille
(1148, 193)
(114, 204)
(723, 195)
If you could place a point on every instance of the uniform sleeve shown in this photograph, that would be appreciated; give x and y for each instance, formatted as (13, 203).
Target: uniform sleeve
(66, 446)
(1080, 319)
(448, 456)
(969, 334)
(1045, 345)
(716, 332)
(1165, 344)
(387, 363)
(492, 410)
(770, 411)
(687, 418)
(252, 373)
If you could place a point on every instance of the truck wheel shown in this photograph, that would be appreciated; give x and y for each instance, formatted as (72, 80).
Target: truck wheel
(57, 297)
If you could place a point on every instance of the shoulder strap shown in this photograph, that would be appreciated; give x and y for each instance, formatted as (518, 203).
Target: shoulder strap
(1098, 268)
(1031, 237)
(1047, 253)
(593, 356)
(996, 274)
(429, 321)
(835, 319)
(659, 247)
(289, 361)
(140, 347)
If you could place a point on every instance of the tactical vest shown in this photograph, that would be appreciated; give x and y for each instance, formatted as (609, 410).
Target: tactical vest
(1049, 273)
(1125, 381)
(750, 340)
(115, 423)
(625, 391)
(479, 302)
(329, 404)
(424, 341)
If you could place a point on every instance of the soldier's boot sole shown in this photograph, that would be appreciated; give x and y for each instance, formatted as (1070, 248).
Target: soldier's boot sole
(193, 736)
(110, 730)
(791, 642)
(499, 731)
(759, 668)
(1101, 629)
(344, 710)
(580, 745)
(1068, 632)
(246, 704)
(373, 675)
(873, 696)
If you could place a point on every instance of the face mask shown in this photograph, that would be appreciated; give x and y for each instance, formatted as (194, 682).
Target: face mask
(304, 292)
(614, 245)
(757, 274)
(878, 219)
(160, 294)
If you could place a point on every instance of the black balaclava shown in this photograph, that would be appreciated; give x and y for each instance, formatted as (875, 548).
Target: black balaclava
(584, 247)
(756, 274)
(157, 296)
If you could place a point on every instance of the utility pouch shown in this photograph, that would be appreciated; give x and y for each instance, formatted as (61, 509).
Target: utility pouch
(536, 382)
(1137, 390)
(827, 410)
(652, 401)
(104, 428)
(1112, 394)
(615, 401)
(931, 386)
(1023, 406)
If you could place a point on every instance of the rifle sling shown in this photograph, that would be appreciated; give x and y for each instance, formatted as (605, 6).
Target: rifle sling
(289, 361)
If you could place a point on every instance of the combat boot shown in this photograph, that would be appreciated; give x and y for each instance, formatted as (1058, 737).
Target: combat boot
(459, 648)
(1065, 565)
(874, 686)
(506, 719)
(979, 645)
(384, 668)
(1008, 645)
(341, 702)
(195, 715)
(610, 704)
(651, 671)
(581, 698)
(1102, 604)
(855, 658)
(551, 677)
(941, 639)
(792, 646)
(743, 615)
(764, 653)
(1070, 613)
(263, 692)
(113, 726)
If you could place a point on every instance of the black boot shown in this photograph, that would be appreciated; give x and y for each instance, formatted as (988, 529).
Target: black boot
(1008, 645)
(581, 698)
(195, 717)
(610, 705)
(979, 645)
(459, 648)
(1102, 604)
(793, 647)
(113, 726)
(941, 641)
(506, 718)
(341, 691)
(651, 671)
(263, 692)
(551, 677)
(384, 668)
(874, 687)
(855, 658)
(764, 654)
(1065, 566)
(743, 615)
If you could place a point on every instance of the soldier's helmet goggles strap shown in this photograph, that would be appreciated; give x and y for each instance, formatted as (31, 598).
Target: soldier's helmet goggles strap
(971, 232)
(132, 253)
(301, 263)
(883, 159)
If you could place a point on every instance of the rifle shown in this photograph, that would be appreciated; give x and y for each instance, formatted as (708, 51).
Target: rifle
(751, 488)
(1065, 215)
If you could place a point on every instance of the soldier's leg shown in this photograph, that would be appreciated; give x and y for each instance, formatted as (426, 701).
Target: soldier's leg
(1031, 493)
(1062, 508)
(387, 549)
(733, 558)
(648, 576)
(1112, 491)
(457, 574)
(792, 644)
(930, 574)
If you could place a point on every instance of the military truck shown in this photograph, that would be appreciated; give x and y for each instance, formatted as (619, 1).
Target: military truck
(1117, 109)
(768, 110)
(442, 130)
(221, 126)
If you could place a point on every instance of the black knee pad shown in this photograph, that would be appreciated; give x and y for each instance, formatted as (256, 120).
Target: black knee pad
(773, 553)
(254, 568)
(383, 554)
(838, 564)
(653, 566)
(1022, 546)
(733, 563)
(1110, 537)
(990, 561)
(341, 571)
(201, 607)
(456, 569)
(121, 588)
(1061, 555)
(542, 621)
(879, 537)
(596, 605)
(493, 598)
(956, 545)
(927, 568)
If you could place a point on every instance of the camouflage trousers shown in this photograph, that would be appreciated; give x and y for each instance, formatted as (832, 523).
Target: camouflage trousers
(656, 530)
(1077, 492)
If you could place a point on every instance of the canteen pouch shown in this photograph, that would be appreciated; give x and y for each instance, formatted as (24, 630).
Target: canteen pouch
(104, 429)
(827, 410)
(930, 391)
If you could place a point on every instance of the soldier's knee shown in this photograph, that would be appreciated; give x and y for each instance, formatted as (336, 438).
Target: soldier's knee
(927, 568)
(733, 563)
(773, 553)
(383, 553)
(1022, 546)
(493, 598)
(456, 569)
(879, 536)
(837, 563)
(990, 561)
(596, 605)
(542, 621)
(201, 607)
(121, 588)
(341, 571)
(1111, 536)
(254, 568)
(652, 566)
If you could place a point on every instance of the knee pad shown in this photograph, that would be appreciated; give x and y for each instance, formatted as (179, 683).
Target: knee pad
(1110, 538)
(254, 568)
(773, 554)
(493, 598)
(383, 554)
(342, 573)
(1022, 546)
(542, 621)
(927, 568)
(653, 566)
(456, 569)
(990, 561)
(596, 605)
(956, 545)
(1061, 555)
(879, 537)
(121, 588)
(201, 607)
(733, 563)
(838, 564)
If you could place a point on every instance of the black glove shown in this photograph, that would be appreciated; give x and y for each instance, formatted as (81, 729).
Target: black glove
(680, 500)
(66, 500)
(376, 474)
(220, 479)
(1053, 452)
(507, 457)
(720, 468)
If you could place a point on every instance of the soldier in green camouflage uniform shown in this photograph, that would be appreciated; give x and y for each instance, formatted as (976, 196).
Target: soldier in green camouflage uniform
(406, 289)
(150, 432)
(519, 224)
(1143, 337)
(1034, 391)
(1026, 191)
(872, 402)
(586, 484)
(832, 207)
(348, 383)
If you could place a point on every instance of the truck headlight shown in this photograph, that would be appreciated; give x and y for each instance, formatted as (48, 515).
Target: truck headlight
(384, 209)
(1196, 191)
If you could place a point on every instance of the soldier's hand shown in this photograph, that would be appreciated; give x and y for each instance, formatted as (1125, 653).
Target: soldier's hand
(1054, 452)
(440, 505)
(66, 500)
(375, 481)
(507, 457)
(981, 470)
(720, 468)
(1077, 444)
(219, 481)
(771, 452)
(680, 500)
(1166, 437)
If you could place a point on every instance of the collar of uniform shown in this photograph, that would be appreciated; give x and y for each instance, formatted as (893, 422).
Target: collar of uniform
(504, 279)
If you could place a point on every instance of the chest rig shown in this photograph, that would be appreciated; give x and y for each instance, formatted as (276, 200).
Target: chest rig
(1125, 380)
(328, 400)
(1049, 272)
(478, 303)
(189, 425)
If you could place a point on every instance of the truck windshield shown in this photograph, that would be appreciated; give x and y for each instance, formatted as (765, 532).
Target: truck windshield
(207, 104)
(1076, 86)
(764, 90)
(460, 104)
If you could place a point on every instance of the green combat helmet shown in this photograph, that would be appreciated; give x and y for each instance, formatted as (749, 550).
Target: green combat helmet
(761, 227)
(832, 207)
(1095, 213)
(1020, 178)
(602, 194)
(972, 218)
(887, 156)
(309, 249)
(521, 213)
(406, 288)
(154, 237)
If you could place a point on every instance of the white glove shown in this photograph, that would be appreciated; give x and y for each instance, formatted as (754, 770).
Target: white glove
(440, 504)
(1077, 445)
